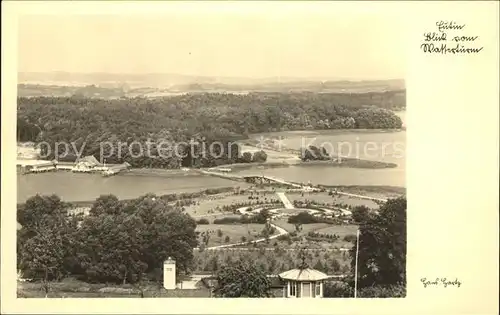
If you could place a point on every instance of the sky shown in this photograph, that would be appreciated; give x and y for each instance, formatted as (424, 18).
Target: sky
(254, 44)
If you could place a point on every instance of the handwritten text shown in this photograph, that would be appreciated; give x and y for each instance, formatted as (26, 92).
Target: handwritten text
(441, 42)
(438, 282)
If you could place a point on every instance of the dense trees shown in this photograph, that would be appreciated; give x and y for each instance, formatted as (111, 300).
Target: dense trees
(360, 213)
(120, 241)
(46, 239)
(187, 130)
(382, 246)
(313, 153)
(242, 279)
(382, 253)
(256, 157)
(27, 131)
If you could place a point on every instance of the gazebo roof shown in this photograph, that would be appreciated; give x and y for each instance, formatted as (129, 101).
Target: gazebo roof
(307, 274)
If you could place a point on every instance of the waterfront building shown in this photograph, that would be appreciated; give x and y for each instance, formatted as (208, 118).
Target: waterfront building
(42, 167)
(86, 164)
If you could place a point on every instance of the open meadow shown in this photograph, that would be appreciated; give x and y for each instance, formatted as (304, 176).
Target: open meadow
(231, 233)
(323, 197)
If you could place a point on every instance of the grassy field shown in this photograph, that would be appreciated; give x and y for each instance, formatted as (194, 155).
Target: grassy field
(306, 228)
(71, 288)
(341, 231)
(374, 191)
(324, 197)
(208, 205)
(234, 231)
(323, 228)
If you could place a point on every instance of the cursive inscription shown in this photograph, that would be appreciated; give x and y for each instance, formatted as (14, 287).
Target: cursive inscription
(441, 282)
(441, 42)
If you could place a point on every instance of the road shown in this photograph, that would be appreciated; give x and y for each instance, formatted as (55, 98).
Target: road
(286, 202)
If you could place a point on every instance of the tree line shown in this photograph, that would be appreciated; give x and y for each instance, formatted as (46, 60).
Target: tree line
(199, 119)
(119, 242)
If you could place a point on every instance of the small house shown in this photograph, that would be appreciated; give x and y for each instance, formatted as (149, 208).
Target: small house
(303, 283)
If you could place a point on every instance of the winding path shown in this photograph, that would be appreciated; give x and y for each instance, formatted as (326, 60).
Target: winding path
(281, 231)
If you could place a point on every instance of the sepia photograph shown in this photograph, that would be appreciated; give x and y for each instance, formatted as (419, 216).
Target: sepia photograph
(223, 166)
(223, 153)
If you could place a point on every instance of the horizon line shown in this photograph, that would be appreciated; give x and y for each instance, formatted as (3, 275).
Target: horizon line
(316, 78)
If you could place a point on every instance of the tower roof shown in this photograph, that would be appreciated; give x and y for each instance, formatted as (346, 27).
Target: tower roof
(307, 274)
(169, 260)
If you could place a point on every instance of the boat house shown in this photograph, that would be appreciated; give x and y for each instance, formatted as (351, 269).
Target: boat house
(86, 164)
(42, 167)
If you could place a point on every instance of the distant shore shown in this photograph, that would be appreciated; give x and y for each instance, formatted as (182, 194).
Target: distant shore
(325, 131)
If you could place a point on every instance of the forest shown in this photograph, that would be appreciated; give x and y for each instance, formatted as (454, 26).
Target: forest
(203, 119)
(119, 242)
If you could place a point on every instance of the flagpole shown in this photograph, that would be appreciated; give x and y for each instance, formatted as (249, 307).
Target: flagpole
(356, 267)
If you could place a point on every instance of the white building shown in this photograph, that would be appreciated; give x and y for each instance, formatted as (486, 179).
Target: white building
(295, 283)
(169, 279)
(303, 283)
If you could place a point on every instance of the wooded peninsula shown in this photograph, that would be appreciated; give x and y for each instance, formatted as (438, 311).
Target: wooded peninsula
(205, 118)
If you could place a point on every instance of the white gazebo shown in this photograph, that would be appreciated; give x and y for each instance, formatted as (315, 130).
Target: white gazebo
(303, 283)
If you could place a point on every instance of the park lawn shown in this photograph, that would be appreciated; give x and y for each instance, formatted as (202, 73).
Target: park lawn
(319, 196)
(341, 231)
(208, 204)
(306, 228)
(234, 231)
(72, 288)
(324, 197)
(384, 192)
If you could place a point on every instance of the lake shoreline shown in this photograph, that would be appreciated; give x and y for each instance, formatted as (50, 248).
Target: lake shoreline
(383, 190)
(326, 132)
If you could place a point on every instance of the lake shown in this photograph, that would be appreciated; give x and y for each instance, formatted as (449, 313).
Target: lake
(371, 145)
(83, 187)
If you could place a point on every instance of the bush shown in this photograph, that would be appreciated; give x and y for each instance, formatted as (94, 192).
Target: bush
(227, 220)
(350, 238)
(202, 221)
(393, 291)
(284, 237)
(215, 191)
(302, 218)
(259, 157)
(337, 289)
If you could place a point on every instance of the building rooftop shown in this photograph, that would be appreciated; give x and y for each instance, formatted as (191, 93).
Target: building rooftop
(307, 274)
(88, 159)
